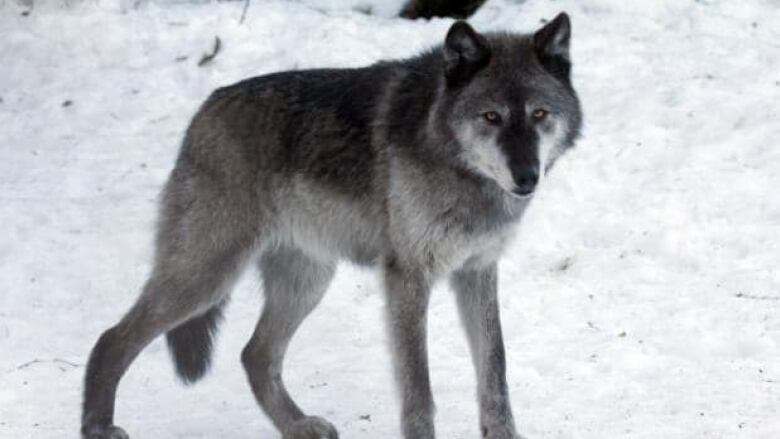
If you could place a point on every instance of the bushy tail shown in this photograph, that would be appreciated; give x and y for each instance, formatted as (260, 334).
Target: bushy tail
(190, 344)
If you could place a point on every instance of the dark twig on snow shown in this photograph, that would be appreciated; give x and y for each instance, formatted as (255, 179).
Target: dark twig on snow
(755, 297)
(28, 364)
(66, 362)
(243, 13)
(59, 361)
(208, 57)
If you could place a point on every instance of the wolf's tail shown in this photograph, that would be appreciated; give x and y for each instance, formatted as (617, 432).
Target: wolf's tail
(190, 344)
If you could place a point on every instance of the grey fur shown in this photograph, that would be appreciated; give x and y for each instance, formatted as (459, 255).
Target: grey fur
(420, 167)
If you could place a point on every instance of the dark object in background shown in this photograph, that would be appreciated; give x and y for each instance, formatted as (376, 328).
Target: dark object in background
(440, 8)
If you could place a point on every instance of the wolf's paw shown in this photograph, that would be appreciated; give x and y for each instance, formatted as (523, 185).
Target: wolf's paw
(111, 432)
(311, 427)
(500, 432)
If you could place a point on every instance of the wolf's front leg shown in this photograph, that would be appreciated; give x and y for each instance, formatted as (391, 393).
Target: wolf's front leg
(476, 291)
(407, 299)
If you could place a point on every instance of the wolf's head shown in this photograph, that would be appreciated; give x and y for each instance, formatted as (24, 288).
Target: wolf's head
(508, 103)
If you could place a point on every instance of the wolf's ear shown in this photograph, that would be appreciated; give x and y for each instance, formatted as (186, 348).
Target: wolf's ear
(465, 53)
(553, 38)
(552, 45)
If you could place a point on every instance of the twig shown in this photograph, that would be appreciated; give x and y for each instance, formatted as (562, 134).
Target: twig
(28, 364)
(208, 57)
(53, 361)
(243, 13)
(754, 297)
(66, 362)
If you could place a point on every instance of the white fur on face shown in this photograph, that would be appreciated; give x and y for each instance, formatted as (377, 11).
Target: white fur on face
(484, 155)
(549, 143)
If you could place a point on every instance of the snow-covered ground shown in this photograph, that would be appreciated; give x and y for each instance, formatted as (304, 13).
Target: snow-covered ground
(641, 299)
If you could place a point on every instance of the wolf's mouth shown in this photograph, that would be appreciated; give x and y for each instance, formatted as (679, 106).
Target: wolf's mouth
(522, 193)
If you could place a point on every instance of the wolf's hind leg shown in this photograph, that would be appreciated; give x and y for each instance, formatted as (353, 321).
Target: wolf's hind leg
(168, 299)
(199, 254)
(294, 284)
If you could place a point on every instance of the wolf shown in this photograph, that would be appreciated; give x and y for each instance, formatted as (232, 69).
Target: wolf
(420, 167)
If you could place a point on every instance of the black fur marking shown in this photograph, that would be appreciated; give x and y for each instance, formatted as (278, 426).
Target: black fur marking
(520, 144)
(412, 99)
(338, 105)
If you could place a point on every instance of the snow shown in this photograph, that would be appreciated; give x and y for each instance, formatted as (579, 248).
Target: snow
(641, 298)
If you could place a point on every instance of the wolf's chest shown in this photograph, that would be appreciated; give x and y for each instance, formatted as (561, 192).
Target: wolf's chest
(446, 245)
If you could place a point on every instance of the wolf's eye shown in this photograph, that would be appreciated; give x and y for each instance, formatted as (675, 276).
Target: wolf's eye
(539, 114)
(492, 117)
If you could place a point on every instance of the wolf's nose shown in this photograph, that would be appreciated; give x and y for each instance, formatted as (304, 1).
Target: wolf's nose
(525, 181)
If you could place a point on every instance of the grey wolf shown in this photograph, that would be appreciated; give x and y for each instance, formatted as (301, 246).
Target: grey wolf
(421, 167)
